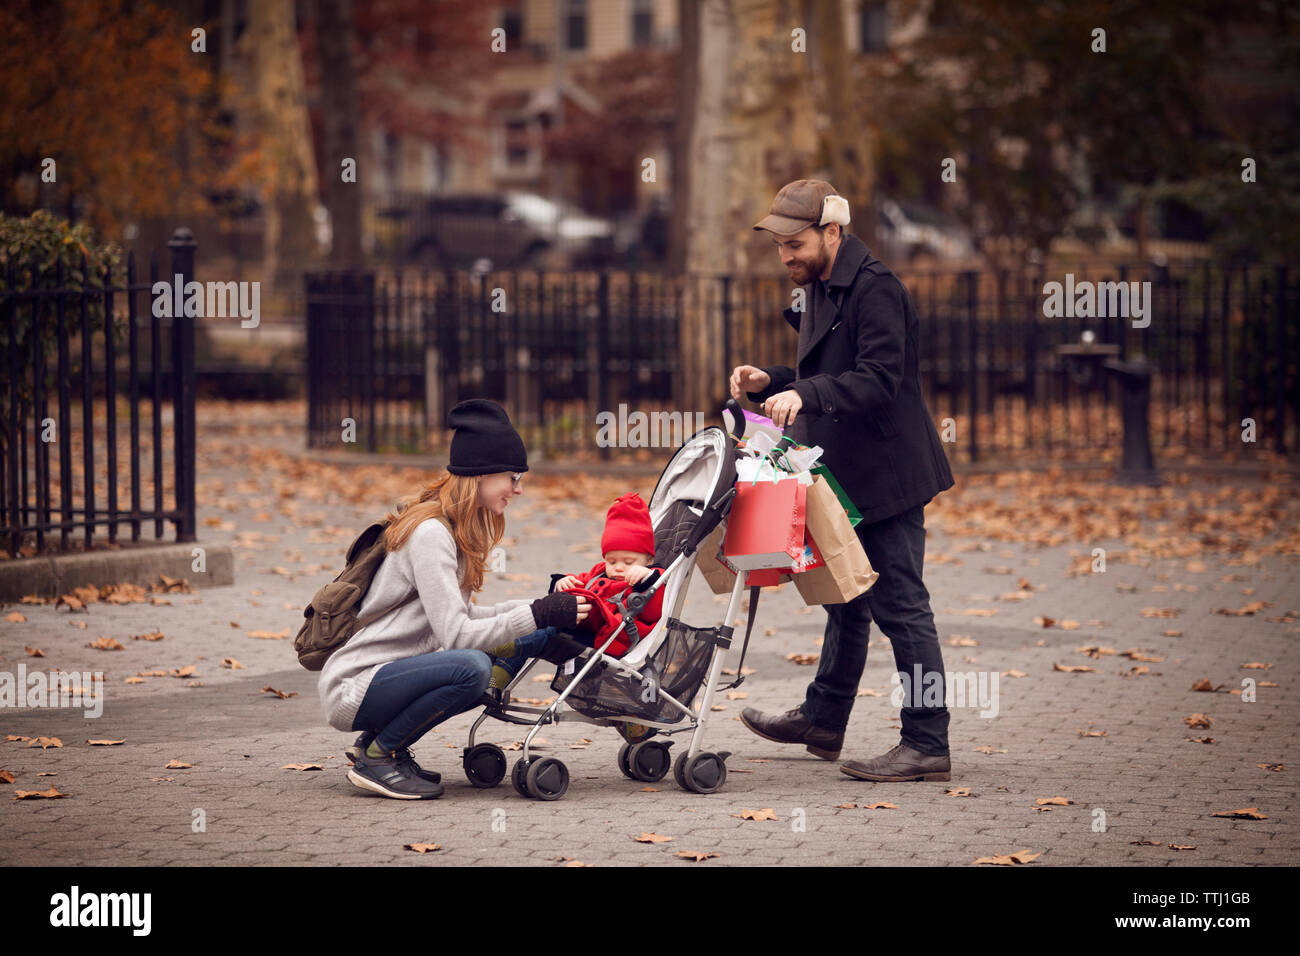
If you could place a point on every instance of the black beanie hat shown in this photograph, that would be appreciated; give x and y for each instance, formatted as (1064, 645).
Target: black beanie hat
(484, 442)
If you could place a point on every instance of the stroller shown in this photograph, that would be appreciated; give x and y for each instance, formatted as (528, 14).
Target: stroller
(656, 682)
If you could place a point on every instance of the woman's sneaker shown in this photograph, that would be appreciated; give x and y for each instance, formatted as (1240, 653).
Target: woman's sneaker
(391, 776)
(404, 755)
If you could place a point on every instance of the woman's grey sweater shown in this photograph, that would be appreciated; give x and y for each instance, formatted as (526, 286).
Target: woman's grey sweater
(428, 567)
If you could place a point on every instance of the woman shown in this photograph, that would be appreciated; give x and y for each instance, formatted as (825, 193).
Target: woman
(424, 659)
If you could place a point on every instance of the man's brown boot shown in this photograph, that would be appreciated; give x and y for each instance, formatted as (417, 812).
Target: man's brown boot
(793, 727)
(901, 763)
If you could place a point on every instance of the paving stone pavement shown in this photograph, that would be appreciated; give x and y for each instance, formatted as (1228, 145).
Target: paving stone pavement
(1149, 782)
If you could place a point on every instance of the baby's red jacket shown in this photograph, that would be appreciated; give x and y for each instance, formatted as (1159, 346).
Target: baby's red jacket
(601, 591)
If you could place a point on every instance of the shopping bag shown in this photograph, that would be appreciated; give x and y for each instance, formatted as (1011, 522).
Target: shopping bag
(765, 528)
(844, 571)
(855, 516)
(721, 579)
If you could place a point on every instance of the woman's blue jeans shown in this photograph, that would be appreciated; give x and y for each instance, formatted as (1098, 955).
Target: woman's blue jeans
(530, 645)
(409, 697)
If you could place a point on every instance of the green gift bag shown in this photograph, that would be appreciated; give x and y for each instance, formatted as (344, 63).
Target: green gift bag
(850, 509)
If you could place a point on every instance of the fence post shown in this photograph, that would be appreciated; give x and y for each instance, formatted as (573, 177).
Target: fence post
(972, 343)
(602, 350)
(1280, 353)
(182, 245)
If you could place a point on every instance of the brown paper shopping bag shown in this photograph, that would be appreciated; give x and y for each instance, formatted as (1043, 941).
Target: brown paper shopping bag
(845, 571)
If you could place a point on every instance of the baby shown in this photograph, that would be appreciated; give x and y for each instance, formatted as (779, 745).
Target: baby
(628, 545)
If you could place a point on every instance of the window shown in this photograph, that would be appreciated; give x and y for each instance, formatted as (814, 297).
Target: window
(519, 144)
(575, 24)
(643, 22)
(512, 21)
(872, 26)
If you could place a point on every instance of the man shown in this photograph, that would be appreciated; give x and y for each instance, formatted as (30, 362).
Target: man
(856, 392)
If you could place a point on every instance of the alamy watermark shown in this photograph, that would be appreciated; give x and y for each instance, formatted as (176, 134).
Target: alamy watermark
(209, 300)
(641, 430)
(1098, 300)
(960, 689)
(53, 689)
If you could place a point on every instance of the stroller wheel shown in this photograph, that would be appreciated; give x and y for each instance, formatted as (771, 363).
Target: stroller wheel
(678, 765)
(518, 777)
(649, 760)
(623, 765)
(547, 779)
(485, 765)
(704, 773)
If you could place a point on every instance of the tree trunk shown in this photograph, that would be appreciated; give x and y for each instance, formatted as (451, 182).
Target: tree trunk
(339, 129)
(847, 138)
(751, 132)
(286, 141)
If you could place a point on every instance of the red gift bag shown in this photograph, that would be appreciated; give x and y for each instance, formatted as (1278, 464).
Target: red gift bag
(765, 528)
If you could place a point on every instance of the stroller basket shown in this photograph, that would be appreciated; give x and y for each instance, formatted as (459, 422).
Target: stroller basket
(680, 661)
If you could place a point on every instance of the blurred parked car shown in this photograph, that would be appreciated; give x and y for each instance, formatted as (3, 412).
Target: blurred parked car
(908, 231)
(511, 231)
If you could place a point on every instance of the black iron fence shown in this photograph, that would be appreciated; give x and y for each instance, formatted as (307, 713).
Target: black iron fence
(96, 407)
(1004, 376)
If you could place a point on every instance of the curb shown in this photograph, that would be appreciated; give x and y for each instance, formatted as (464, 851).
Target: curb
(52, 575)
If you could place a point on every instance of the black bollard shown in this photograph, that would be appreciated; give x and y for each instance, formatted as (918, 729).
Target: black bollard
(1137, 467)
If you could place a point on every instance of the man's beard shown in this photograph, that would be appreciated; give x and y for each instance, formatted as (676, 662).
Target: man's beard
(812, 270)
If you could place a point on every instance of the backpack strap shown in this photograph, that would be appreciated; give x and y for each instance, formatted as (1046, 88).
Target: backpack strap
(749, 628)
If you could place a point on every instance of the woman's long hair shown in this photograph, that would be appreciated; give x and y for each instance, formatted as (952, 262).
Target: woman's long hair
(476, 529)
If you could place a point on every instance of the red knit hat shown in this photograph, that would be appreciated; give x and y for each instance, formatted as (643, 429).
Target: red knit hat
(627, 527)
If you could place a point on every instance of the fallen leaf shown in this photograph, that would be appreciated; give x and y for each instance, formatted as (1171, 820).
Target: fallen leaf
(958, 792)
(1074, 668)
(695, 856)
(50, 794)
(1010, 859)
(880, 806)
(1160, 612)
(988, 750)
(6, 776)
(767, 813)
(423, 847)
(177, 765)
(107, 644)
(1054, 801)
(1181, 846)
(45, 743)
(134, 680)
(151, 636)
(302, 766)
(802, 658)
(1199, 720)
(268, 689)
(33, 651)
(1249, 813)
(188, 670)
(106, 743)
(15, 617)
(231, 664)
(269, 636)
(652, 838)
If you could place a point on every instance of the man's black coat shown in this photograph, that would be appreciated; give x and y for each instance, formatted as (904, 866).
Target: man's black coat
(860, 383)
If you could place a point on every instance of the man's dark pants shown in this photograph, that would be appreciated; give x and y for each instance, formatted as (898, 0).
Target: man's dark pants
(900, 606)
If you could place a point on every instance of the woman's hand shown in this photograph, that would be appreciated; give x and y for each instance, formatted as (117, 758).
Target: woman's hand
(560, 610)
(747, 378)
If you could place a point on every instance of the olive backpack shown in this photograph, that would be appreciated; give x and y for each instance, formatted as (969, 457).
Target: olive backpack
(333, 615)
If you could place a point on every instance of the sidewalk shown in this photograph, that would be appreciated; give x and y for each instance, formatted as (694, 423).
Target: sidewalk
(1112, 740)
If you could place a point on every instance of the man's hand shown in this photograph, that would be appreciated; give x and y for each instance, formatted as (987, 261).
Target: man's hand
(584, 607)
(747, 378)
(783, 407)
